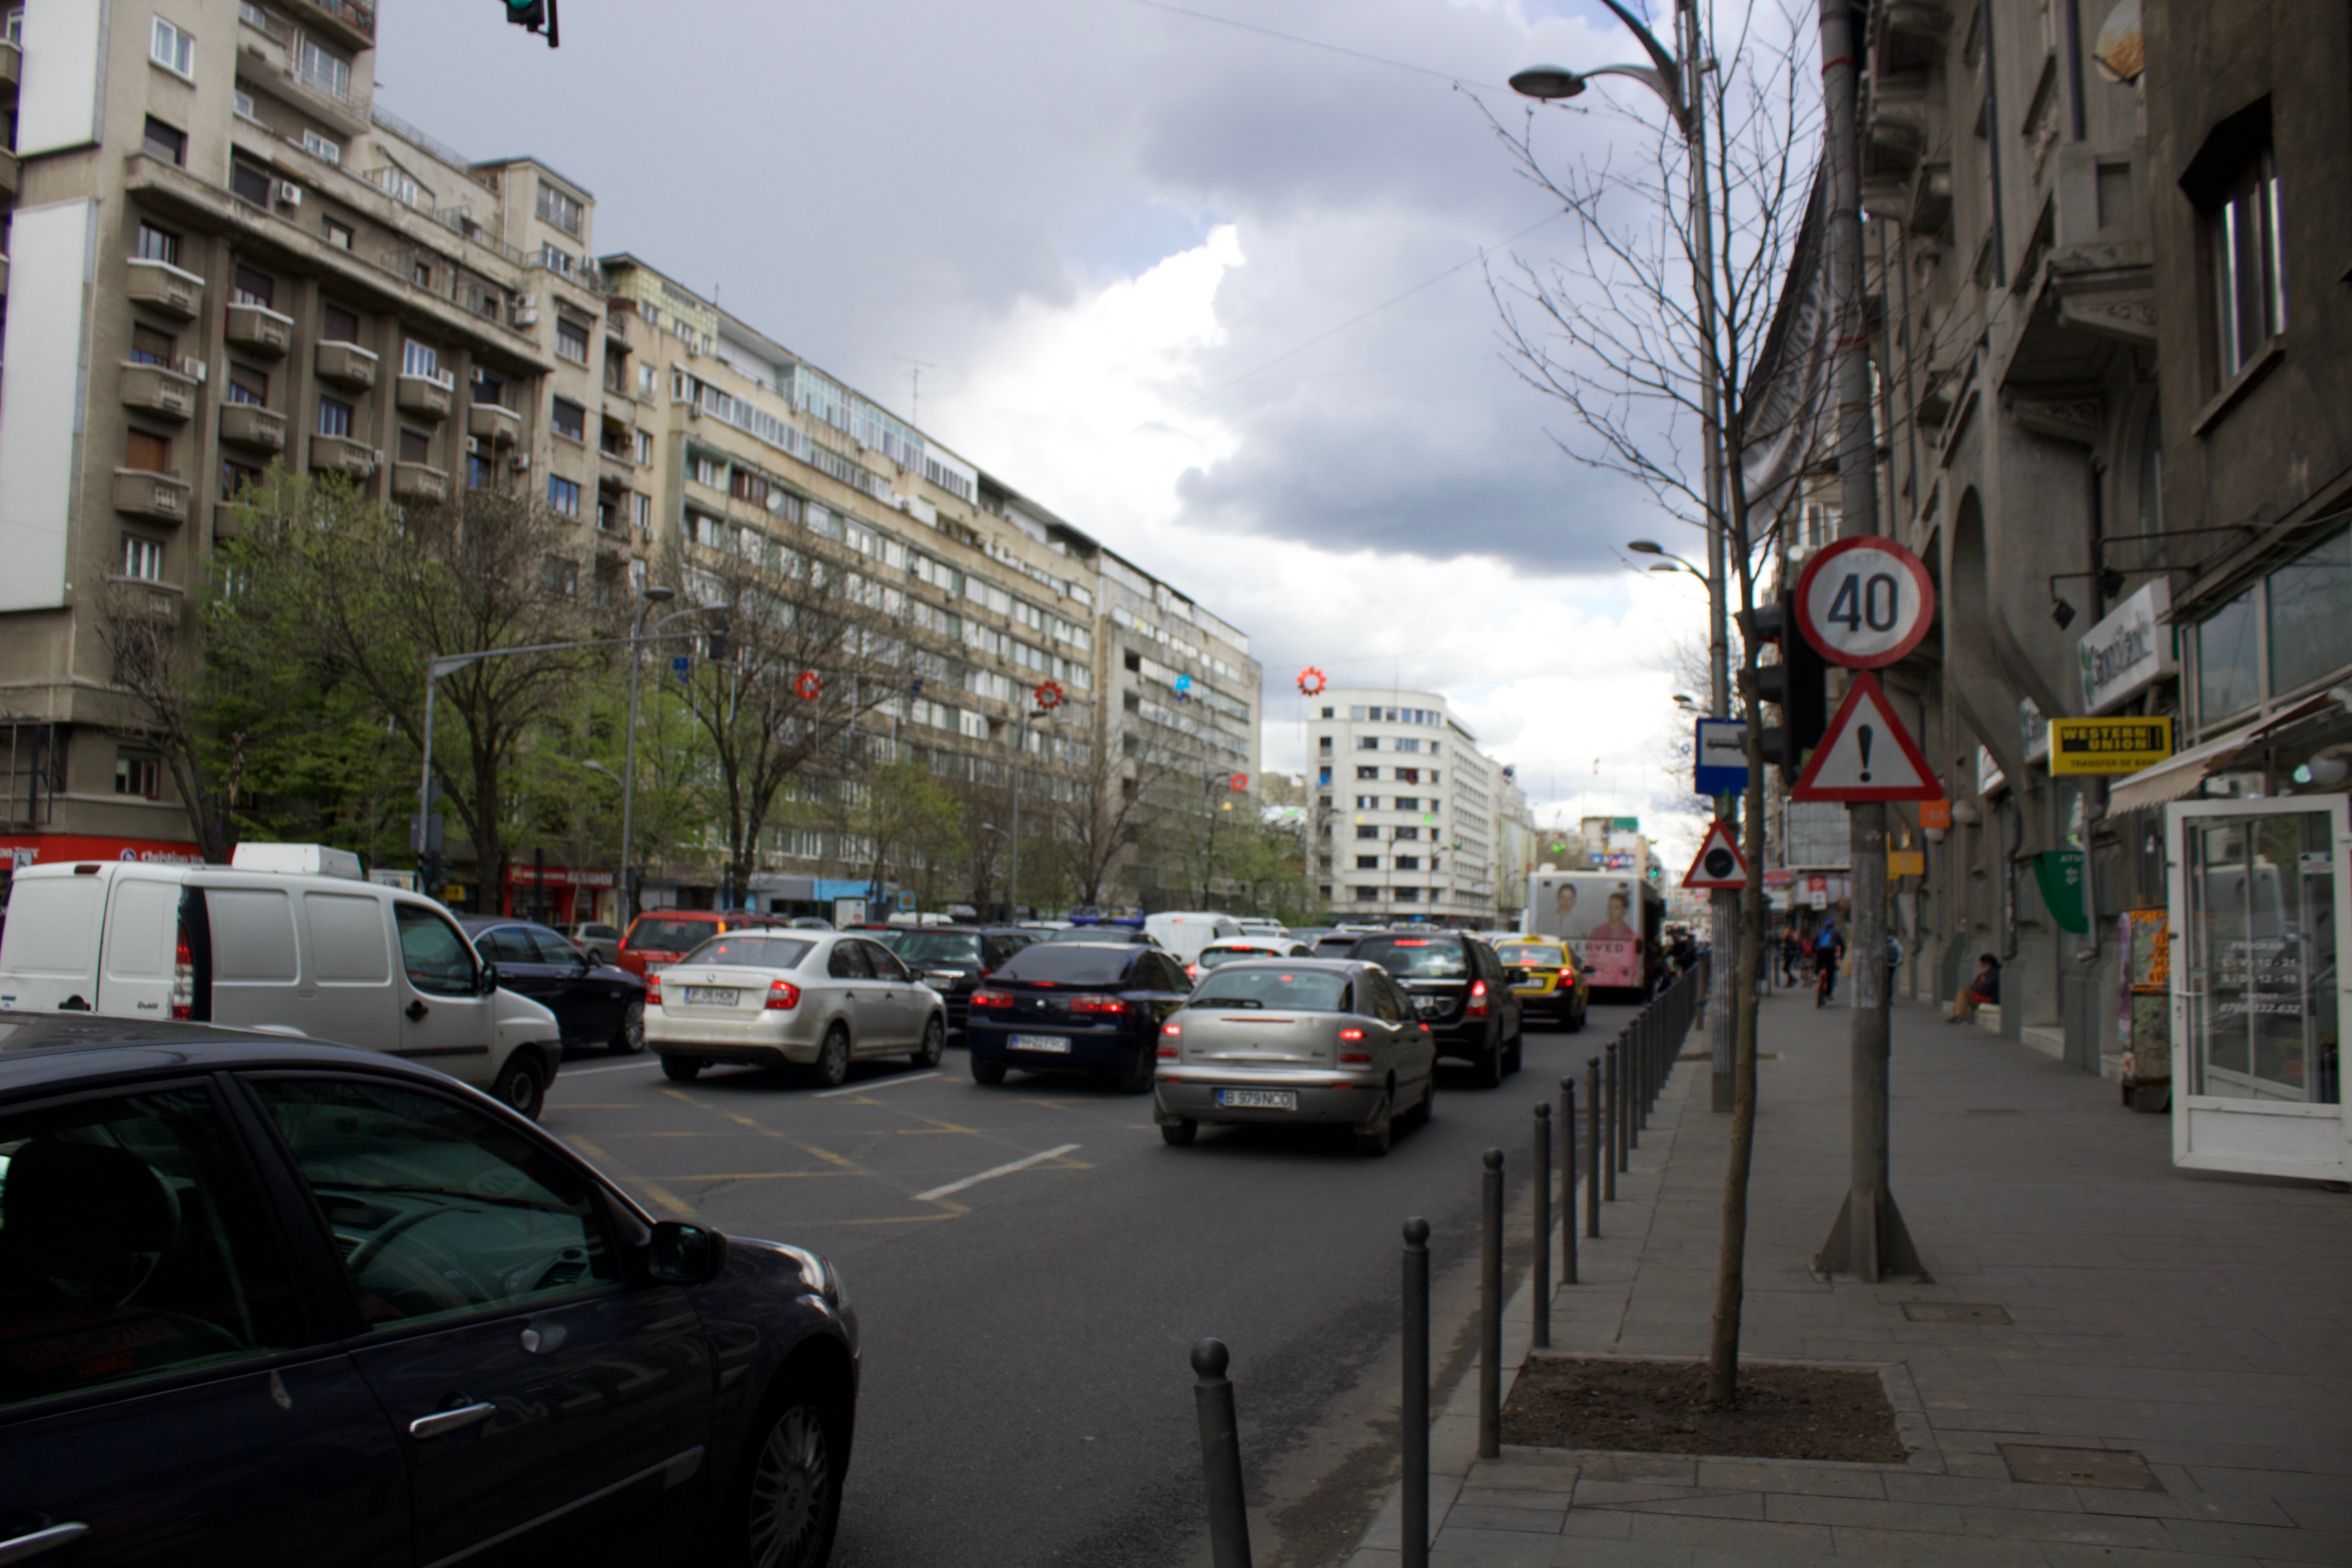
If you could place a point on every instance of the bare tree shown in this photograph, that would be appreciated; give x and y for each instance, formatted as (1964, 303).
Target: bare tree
(1115, 801)
(1615, 333)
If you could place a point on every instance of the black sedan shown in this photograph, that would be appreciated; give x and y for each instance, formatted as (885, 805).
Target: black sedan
(594, 1002)
(1459, 988)
(954, 960)
(1089, 1008)
(269, 1301)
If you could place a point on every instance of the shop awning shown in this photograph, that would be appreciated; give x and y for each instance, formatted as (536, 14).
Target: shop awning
(2178, 775)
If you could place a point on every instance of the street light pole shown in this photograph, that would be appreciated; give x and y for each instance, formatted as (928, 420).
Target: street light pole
(647, 597)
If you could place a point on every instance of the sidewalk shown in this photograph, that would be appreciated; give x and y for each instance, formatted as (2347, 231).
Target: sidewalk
(2194, 1329)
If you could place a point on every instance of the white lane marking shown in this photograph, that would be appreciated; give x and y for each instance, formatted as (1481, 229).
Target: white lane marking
(625, 1066)
(872, 1083)
(999, 1171)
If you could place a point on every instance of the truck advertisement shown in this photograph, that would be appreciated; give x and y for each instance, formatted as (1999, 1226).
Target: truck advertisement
(1601, 917)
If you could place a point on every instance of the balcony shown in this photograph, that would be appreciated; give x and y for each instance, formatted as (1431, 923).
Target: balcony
(259, 330)
(250, 424)
(145, 598)
(158, 498)
(346, 365)
(12, 174)
(152, 389)
(490, 421)
(340, 455)
(425, 397)
(414, 482)
(159, 285)
(12, 60)
(610, 479)
(348, 22)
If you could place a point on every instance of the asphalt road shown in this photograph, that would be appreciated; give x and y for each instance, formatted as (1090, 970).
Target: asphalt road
(1031, 1265)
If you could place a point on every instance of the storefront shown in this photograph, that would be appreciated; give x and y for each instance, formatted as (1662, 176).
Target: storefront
(560, 895)
(18, 850)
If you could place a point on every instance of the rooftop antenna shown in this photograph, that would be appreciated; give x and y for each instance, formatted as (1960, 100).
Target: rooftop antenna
(915, 369)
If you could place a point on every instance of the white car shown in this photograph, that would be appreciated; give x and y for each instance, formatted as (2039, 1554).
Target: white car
(1234, 947)
(1260, 925)
(814, 1000)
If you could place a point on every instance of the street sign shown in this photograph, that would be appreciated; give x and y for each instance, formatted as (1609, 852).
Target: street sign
(1907, 862)
(1866, 754)
(1722, 757)
(1864, 602)
(2107, 746)
(1720, 863)
(1935, 814)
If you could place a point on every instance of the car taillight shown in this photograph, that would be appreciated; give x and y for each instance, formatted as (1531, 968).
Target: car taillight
(653, 990)
(1171, 1038)
(1351, 1034)
(1193, 971)
(1174, 1031)
(183, 978)
(1097, 1004)
(1478, 1008)
(782, 995)
(991, 999)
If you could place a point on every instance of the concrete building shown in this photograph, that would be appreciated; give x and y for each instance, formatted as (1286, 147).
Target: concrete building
(1413, 813)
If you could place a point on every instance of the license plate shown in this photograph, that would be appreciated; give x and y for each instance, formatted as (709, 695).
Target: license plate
(1058, 1044)
(1429, 1006)
(1259, 1098)
(710, 996)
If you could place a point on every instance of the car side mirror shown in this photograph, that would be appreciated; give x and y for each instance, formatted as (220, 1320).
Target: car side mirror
(682, 1254)
(489, 981)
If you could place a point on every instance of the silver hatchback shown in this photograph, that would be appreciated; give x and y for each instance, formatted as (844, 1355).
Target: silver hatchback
(1299, 1041)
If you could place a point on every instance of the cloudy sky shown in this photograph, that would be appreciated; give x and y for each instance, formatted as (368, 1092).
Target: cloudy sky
(1152, 263)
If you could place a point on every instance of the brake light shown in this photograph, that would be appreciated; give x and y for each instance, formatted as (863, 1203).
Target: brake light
(652, 989)
(1173, 1030)
(991, 999)
(1351, 1034)
(1478, 1008)
(1097, 1004)
(782, 995)
(183, 978)
(1193, 971)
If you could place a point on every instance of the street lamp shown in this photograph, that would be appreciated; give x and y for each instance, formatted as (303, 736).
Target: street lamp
(649, 596)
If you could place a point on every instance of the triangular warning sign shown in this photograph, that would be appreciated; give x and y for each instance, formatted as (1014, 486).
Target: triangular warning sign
(1866, 754)
(1720, 863)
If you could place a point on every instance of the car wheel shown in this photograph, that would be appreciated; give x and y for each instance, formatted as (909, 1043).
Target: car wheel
(681, 1069)
(1487, 1066)
(1576, 1015)
(831, 1068)
(935, 1041)
(1134, 1077)
(1514, 1054)
(517, 1087)
(987, 1069)
(1179, 1133)
(629, 1039)
(1426, 1111)
(1376, 1142)
(790, 1495)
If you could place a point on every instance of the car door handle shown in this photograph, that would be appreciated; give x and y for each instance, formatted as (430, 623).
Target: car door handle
(417, 1010)
(446, 1421)
(16, 1549)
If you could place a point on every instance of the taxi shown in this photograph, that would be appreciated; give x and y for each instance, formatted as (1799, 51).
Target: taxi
(1554, 988)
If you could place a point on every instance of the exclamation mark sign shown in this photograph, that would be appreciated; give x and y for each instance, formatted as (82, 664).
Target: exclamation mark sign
(1862, 737)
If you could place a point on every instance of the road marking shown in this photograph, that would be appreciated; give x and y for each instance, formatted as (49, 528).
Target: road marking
(658, 1193)
(999, 1171)
(625, 1066)
(875, 1083)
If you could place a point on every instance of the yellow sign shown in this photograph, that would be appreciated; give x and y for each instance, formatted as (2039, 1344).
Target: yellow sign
(2107, 746)
(1907, 862)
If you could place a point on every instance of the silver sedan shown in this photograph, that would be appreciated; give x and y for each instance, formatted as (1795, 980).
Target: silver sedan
(1295, 1041)
(813, 999)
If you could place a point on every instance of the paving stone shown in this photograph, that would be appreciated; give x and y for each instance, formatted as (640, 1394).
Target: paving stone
(1536, 1521)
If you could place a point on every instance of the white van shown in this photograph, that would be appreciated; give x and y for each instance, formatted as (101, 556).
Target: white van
(1185, 934)
(285, 939)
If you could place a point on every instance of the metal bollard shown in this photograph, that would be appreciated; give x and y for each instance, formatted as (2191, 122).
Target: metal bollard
(1637, 1076)
(1221, 1455)
(1623, 1106)
(1490, 1311)
(1542, 1327)
(1593, 1159)
(1611, 1086)
(1568, 1181)
(1415, 1414)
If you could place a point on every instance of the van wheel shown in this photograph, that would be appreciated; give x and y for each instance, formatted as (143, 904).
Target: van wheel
(517, 1087)
(682, 1069)
(629, 1039)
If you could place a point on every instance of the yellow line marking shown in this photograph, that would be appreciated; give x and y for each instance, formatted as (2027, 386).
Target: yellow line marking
(658, 1193)
(828, 1155)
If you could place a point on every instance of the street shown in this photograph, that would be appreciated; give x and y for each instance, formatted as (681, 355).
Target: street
(1026, 1396)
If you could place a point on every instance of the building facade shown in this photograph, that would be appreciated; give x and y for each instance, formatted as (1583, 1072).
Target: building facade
(1413, 816)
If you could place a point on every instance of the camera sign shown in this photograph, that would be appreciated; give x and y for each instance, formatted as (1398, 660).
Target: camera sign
(1864, 603)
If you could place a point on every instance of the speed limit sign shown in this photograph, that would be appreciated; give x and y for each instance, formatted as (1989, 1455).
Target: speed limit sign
(1864, 602)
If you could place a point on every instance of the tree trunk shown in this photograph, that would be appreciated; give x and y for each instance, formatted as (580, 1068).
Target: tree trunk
(1730, 1267)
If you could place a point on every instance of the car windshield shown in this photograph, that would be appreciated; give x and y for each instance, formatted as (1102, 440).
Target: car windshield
(753, 950)
(1532, 955)
(668, 936)
(1267, 986)
(1213, 956)
(1068, 964)
(1416, 957)
(940, 947)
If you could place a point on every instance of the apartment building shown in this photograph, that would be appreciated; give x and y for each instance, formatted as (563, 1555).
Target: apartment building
(1413, 815)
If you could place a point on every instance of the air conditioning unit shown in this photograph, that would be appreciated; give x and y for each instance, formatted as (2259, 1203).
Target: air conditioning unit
(525, 301)
(525, 318)
(376, 465)
(522, 461)
(473, 444)
(195, 370)
(288, 193)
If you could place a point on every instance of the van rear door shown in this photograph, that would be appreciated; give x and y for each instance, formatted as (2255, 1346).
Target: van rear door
(49, 955)
(142, 945)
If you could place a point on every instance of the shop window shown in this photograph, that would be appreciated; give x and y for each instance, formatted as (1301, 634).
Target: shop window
(2228, 671)
(2310, 634)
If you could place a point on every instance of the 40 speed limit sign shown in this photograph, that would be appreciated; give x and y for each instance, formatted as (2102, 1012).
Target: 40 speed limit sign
(1864, 602)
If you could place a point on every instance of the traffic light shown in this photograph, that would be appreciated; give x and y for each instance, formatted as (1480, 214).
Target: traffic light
(715, 645)
(537, 16)
(1798, 685)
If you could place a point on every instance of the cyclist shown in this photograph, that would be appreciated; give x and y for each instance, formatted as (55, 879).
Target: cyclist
(1829, 947)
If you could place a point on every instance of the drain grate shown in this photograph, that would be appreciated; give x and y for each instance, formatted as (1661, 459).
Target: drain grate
(2118, 1468)
(1955, 1312)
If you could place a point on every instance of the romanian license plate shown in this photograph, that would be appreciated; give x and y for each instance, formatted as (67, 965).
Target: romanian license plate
(1259, 1098)
(1430, 1007)
(710, 996)
(1058, 1044)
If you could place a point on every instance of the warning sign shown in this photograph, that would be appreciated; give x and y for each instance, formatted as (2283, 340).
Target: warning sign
(1866, 754)
(1720, 863)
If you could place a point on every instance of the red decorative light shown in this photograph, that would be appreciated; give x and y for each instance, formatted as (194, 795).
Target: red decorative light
(811, 685)
(1049, 695)
(1310, 682)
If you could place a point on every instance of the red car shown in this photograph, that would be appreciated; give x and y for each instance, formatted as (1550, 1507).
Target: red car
(661, 937)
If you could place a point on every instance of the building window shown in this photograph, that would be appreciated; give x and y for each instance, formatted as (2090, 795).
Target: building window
(554, 260)
(142, 558)
(1408, 862)
(135, 774)
(1407, 895)
(149, 346)
(1407, 775)
(560, 576)
(147, 453)
(12, 26)
(572, 341)
(1367, 895)
(569, 420)
(1367, 742)
(422, 274)
(415, 446)
(1367, 833)
(247, 287)
(320, 69)
(338, 325)
(1408, 744)
(1324, 777)
(745, 485)
(1368, 773)
(1408, 802)
(2229, 667)
(1408, 833)
(559, 209)
(2249, 290)
(707, 472)
(478, 471)
(326, 149)
(164, 141)
(236, 479)
(2311, 636)
(421, 360)
(247, 384)
(564, 495)
(173, 49)
(1323, 744)
(158, 244)
(250, 184)
(641, 513)
(334, 417)
(338, 235)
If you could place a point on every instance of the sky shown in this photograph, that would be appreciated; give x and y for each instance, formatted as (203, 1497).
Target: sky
(1218, 299)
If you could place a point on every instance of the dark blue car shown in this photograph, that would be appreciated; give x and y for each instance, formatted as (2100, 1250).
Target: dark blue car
(1075, 1006)
(266, 1301)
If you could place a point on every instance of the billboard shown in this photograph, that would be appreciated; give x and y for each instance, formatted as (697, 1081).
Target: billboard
(1597, 915)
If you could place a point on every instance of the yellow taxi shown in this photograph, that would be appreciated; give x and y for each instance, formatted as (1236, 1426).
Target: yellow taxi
(1554, 987)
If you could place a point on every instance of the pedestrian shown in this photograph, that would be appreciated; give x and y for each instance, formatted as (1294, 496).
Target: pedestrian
(1792, 953)
(1828, 948)
(1984, 991)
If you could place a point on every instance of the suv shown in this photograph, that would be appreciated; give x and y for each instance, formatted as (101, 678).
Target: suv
(596, 937)
(954, 960)
(1459, 989)
(660, 937)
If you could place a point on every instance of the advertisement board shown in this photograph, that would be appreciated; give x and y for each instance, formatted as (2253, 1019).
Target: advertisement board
(1599, 917)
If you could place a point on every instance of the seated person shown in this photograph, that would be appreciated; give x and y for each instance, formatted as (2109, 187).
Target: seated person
(1984, 991)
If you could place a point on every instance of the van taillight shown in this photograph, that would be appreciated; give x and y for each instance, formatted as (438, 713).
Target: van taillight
(183, 978)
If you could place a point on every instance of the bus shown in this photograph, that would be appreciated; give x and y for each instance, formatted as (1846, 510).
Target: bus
(1611, 922)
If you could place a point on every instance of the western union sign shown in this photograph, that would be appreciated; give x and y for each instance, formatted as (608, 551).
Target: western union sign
(2108, 745)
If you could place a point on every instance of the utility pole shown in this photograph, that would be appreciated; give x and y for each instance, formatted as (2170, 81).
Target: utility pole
(1869, 1240)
